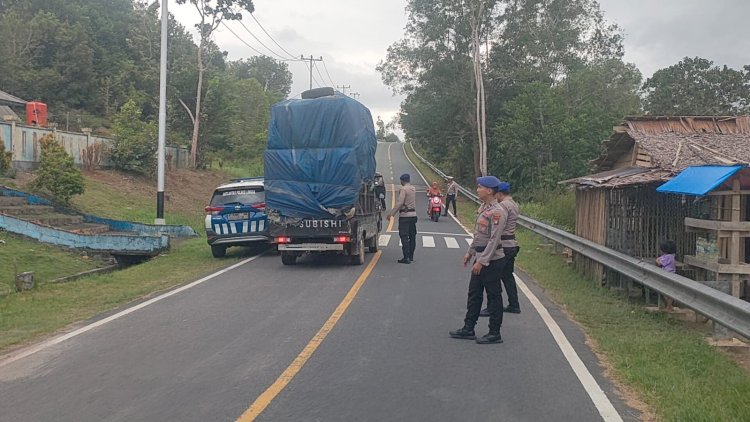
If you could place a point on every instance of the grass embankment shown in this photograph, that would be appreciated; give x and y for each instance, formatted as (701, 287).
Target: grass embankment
(27, 316)
(666, 364)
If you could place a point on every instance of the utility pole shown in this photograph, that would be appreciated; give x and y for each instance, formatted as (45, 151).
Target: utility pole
(162, 114)
(311, 60)
(344, 88)
(355, 95)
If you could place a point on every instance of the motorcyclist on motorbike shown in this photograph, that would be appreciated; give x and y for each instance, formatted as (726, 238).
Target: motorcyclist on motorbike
(433, 190)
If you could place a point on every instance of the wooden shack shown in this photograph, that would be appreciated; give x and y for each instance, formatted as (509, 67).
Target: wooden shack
(618, 205)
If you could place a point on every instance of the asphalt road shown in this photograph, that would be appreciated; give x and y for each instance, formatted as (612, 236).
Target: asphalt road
(208, 352)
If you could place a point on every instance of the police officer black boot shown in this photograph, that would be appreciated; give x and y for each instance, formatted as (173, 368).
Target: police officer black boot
(491, 337)
(464, 333)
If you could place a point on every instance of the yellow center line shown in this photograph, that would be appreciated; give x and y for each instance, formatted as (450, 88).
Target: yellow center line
(260, 404)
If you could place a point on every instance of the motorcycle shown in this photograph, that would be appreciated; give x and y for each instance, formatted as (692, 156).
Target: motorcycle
(436, 207)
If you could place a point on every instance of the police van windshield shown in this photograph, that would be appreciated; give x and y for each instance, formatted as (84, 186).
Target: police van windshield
(247, 196)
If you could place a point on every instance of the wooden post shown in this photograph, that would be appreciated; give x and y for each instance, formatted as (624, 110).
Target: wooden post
(734, 248)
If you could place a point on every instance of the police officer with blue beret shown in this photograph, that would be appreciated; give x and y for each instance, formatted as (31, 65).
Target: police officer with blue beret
(489, 261)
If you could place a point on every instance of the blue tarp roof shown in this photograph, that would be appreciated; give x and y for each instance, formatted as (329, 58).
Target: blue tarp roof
(699, 180)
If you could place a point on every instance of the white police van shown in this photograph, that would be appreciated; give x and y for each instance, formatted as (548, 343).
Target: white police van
(236, 215)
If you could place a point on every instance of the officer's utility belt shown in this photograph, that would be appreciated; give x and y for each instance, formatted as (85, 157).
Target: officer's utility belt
(406, 210)
(482, 248)
(508, 237)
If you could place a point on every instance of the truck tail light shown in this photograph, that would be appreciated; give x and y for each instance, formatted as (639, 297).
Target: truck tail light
(341, 239)
(260, 207)
(283, 239)
(213, 210)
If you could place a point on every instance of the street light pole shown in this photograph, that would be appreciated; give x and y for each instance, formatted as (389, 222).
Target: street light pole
(162, 114)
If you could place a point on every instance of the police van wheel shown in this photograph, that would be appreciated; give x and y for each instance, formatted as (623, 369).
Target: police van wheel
(358, 258)
(373, 244)
(218, 251)
(288, 258)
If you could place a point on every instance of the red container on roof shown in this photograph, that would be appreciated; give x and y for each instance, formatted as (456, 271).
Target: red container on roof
(36, 114)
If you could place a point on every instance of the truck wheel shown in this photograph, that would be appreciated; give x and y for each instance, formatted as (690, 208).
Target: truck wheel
(359, 254)
(218, 251)
(373, 244)
(288, 258)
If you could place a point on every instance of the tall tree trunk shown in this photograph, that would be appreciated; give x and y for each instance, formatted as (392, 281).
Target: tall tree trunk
(481, 124)
(197, 114)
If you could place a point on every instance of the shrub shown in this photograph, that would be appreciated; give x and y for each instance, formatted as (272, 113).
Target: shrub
(6, 163)
(134, 146)
(58, 174)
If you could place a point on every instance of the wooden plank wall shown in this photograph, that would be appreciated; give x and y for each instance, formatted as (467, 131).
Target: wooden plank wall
(590, 224)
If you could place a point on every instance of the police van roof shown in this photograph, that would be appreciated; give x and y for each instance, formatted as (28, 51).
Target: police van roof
(243, 183)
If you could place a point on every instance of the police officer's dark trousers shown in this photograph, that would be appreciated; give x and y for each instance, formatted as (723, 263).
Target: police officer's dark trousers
(507, 276)
(450, 199)
(407, 231)
(487, 280)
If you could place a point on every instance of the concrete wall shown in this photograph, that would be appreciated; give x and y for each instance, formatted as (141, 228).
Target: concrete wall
(23, 142)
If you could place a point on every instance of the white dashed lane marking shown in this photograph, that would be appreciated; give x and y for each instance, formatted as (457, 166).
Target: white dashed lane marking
(384, 239)
(428, 242)
(451, 243)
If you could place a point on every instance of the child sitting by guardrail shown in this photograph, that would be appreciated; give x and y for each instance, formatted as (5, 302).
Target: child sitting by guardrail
(666, 261)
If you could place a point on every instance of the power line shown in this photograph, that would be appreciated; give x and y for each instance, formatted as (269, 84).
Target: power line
(312, 61)
(250, 46)
(329, 75)
(344, 88)
(261, 43)
(319, 74)
(272, 39)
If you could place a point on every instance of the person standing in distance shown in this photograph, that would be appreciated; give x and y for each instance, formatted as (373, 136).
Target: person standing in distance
(510, 246)
(489, 261)
(451, 196)
(407, 218)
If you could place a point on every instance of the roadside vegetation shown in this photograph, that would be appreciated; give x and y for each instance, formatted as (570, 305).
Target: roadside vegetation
(29, 315)
(666, 363)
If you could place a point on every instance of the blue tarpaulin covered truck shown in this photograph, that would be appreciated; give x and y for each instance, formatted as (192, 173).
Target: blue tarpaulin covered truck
(319, 170)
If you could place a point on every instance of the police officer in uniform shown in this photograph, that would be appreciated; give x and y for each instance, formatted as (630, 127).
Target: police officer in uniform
(510, 248)
(407, 218)
(489, 261)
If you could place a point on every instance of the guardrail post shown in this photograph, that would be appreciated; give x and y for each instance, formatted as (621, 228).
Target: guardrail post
(724, 285)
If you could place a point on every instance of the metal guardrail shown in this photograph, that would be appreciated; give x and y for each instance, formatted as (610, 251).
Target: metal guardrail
(720, 307)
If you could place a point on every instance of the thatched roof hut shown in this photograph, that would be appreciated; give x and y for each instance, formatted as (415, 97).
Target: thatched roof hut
(618, 205)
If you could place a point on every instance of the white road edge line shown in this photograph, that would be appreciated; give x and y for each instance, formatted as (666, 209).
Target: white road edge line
(595, 392)
(10, 358)
(600, 399)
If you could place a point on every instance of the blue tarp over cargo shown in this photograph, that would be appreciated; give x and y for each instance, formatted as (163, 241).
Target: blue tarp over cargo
(319, 153)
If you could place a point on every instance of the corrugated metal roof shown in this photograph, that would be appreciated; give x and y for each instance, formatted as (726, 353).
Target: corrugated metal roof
(11, 99)
(6, 111)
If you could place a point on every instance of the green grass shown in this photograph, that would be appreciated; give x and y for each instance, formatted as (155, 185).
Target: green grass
(251, 169)
(667, 364)
(101, 200)
(19, 254)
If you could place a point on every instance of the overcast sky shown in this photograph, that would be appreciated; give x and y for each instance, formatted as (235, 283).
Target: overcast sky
(352, 37)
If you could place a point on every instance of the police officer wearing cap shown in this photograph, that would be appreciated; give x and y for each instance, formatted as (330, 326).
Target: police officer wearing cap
(451, 196)
(489, 260)
(406, 207)
(510, 248)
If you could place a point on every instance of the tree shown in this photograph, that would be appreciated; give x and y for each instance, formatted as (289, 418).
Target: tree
(57, 173)
(211, 16)
(380, 131)
(134, 147)
(697, 87)
(273, 75)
